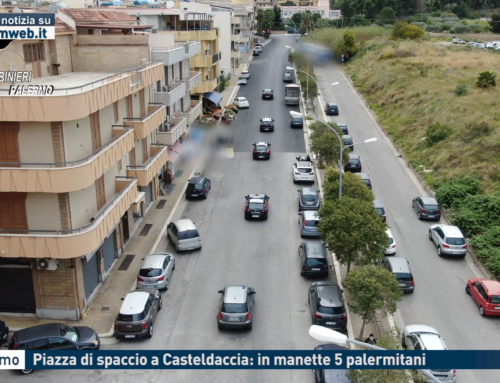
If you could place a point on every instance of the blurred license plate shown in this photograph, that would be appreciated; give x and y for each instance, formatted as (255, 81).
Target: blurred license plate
(233, 319)
(331, 323)
(129, 336)
(261, 156)
(149, 287)
(497, 308)
(194, 195)
(255, 216)
(402, 284)
(316, 269)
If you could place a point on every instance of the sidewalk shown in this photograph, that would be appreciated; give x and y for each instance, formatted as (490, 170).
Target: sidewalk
(101, 312)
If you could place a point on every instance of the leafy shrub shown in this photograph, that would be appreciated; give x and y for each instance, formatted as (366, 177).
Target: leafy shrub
(437, 132)
(451, 192)
(433, 28)
(461, 89)
(486, 79)
(460, 28)
(403, 30)
(445, 26)
(473, 130)
(476, 212)
(420, 24)
(436, 14)
(487, 247)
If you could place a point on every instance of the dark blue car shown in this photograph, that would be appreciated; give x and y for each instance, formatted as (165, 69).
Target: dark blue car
(198, 187)
(297, 122)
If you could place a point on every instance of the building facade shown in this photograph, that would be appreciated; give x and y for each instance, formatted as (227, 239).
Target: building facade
(322, 7)
(78, 168)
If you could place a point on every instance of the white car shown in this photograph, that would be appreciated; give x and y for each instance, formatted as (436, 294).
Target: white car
(421, 337)
(242, 81)
(391, 250)
(477, 45)
(241, 102)
(245, 74)
(456, 40)
(303, 172)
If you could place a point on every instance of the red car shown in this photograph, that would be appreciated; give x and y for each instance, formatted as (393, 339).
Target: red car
(486, 294)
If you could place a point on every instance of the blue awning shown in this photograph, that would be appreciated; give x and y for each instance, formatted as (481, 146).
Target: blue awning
(215, 97)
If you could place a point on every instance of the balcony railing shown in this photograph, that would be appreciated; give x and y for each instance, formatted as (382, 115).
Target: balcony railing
(235, 20)
(69, 176)
(170, 94)
(216, 57)
(193, 80)
(197, 35)
(205, 61)
(193, 112)
(178, 53)
(205, 86)
(143, 126)
(235, 54)
(147, 171)
(173, 133)
(73, 243)
(239, 38)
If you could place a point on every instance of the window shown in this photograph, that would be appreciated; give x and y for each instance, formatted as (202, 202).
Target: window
(234, 308)
(316, 262)
(39, 345)
(495, 299)
(69, 332)
(256, 206)
(417, 346)
(120, 165)
(55, 343)
(310, 223)
(304, 170)
(455, 241)
(115, 109)
(129, 318)
(406, 277)
(34, 52)
(189, 234)
(331, 310)
(100, 192)
(150, 273)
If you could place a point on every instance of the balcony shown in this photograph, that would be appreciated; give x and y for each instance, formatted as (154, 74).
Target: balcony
(170, 94)
(216, 57)
(67, 176)
(193, 80)
(67, 244)
(178, 53)
(177, 128)
(147, 171)
(205, 86)
(88, 93)
(239, 38)
(235, 54)
(197, 35)
(143, 126)
(193, 113)
(202, 61)
(235, 20)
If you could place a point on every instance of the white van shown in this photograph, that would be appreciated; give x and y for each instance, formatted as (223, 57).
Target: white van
(184, 235)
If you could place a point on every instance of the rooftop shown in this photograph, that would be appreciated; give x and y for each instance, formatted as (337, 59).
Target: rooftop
(97, 15)
(62, 27)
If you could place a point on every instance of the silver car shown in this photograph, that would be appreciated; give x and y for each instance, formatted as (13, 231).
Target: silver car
(448, 239)
(236, 307)
(421, 337)
(308, 221)
(184, 235)
(156, 271)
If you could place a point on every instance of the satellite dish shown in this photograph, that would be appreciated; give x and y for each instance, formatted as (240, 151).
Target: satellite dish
(55, 6)
(16, 10)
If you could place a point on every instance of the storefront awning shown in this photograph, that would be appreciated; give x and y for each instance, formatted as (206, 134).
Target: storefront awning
(215, 97)
(175, 152)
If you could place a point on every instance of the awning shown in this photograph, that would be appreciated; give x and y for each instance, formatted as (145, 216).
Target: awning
(114, 26)
(136, 206)
(215, 97)
(175, 152)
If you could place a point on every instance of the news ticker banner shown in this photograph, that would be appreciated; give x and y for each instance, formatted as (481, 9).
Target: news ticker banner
(263, 359)
(27, 26)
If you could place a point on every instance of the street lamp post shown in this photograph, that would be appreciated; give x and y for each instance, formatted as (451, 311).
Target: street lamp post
(324, 334)
(342, 147)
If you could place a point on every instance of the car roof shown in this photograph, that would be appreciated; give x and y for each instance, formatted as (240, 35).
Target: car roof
(185, 224)
(309, 191)
(241, 98)
(389, 233)
(315, 250)
(268, 90)
(236, 294)
(254, 200)
(363, 175)
(339, 124)
(261, 143)
(245, 71)
(346, 136)
(354, 156)
(196, 180)
(154, 261)
(377, 203)
(329, 346)
(311, 215)
(267, 119)
(450, 230)
(493, 287)
(428, 335)
(256, 196)
(420, 328)
(331, 104)
(399, 264)
(134, 302)
(304, 164)
(40, 331)
(429, 200)
(328, 295)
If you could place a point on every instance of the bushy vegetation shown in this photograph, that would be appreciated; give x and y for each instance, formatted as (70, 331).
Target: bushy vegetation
(437, 132)
(402, 30)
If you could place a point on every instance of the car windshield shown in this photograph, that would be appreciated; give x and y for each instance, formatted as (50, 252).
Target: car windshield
(304, 170)
(129, 318)
(234, 308)
(312, 223)
(189, 234)
(309, 197)
(69, 332)
(404, 277)
(455, 241)
(150, 272)
(313, 262)
(331, 310)
(258, 206)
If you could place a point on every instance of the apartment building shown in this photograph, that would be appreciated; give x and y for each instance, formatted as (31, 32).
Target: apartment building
(322, 7)
(301, 3)
(78, 168)
(242, 24)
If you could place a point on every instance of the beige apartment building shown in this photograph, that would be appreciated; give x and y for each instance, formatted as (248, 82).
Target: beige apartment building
(78, 168)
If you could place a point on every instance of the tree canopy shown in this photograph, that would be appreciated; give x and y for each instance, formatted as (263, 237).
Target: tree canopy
(352, 186)
(325, 143)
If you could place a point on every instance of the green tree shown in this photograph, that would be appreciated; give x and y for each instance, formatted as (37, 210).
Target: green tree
(307, 21)
(289, 3)
(486, 79)
(461, 10)
(316, 17)
(402, 30)
(268, 21)
(386, 16)
(260, 22)
(347, 46)
(352, 186)
(277, 15)
(326, 144)
(297, 19)
(353, 230)
(495, 23)
(371, 289)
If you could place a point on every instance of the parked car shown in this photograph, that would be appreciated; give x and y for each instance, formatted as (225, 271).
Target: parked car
(198, 187)
(137, 314)
(348, 141)
(293, 31)
(477, 45)
(354, 163)
(266, 124)
(330, 375)
(309, 199)
(287, 77)
(236, 307)
(241, 102)
(366, 179)
(456, 40)
(493, 45)
(448, 239)
(268, 94)
(4, 332)
(54, 337)
(246, 73)
(391, 250)
(313, 261)
(343, 127)
(427, 208)
(262, 150)
(421, 337)
(184, 235)
(331, 108)
(256, 206)
(156, 270)
(297, 122)
(486, 294)
(379, 207)
(327, 305)
(303, 172)
(256, 52)
(242, 81)
(259, 48)
(308, 222)
(400, 267)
